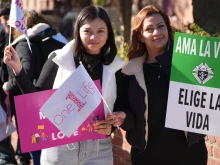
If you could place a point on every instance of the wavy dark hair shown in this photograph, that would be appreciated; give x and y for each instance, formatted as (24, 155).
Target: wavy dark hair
(32, 18)
(137, 48)
(87, 14)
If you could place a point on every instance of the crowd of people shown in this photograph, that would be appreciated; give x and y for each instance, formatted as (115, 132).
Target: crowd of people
(138, 90)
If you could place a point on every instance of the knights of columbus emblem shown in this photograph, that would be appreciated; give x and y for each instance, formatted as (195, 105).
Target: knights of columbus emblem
(203, 73)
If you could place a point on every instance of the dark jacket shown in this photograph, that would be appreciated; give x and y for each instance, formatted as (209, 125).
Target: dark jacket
(135, 105)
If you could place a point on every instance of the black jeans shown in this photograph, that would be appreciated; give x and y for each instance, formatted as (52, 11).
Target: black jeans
(36, 157)
(23, 157)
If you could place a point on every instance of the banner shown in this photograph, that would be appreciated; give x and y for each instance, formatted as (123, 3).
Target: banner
(37, 132)
(194, 92)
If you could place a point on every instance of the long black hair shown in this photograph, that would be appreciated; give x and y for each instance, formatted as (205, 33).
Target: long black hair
(90, 13)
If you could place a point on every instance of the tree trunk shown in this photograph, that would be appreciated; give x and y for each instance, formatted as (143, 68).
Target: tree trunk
(57, 6)
(167, 7)
(84, 3)
(206, 14)
(125, 10)
(140, 6)
(81, 3)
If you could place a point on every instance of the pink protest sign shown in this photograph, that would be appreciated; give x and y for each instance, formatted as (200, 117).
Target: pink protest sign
(37, 132)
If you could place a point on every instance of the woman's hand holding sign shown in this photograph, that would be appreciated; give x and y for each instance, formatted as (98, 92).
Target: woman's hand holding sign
(103, 127)
(116, 118)
(113, 119)
(12, 59)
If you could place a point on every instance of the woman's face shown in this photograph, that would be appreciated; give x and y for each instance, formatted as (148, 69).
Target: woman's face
(94, 35)
(154, 33)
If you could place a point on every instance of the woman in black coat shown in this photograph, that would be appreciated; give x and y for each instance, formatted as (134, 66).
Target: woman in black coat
(145, 97)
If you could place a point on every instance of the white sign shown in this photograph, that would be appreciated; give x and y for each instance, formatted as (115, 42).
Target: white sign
(193, 108)
(73, 102)
(16, 18)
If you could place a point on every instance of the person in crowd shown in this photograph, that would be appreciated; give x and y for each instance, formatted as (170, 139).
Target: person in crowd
(4, 41)
(43, 40)
(7, 155)
(143, 109)
(94, 45)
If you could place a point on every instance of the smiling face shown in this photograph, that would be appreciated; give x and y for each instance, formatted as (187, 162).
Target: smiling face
(154, 33)
(94, 35)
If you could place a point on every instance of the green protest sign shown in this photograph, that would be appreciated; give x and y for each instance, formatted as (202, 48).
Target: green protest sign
(194, 93)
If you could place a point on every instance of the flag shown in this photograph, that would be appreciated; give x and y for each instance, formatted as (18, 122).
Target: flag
(17, 20)
(73, 102)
